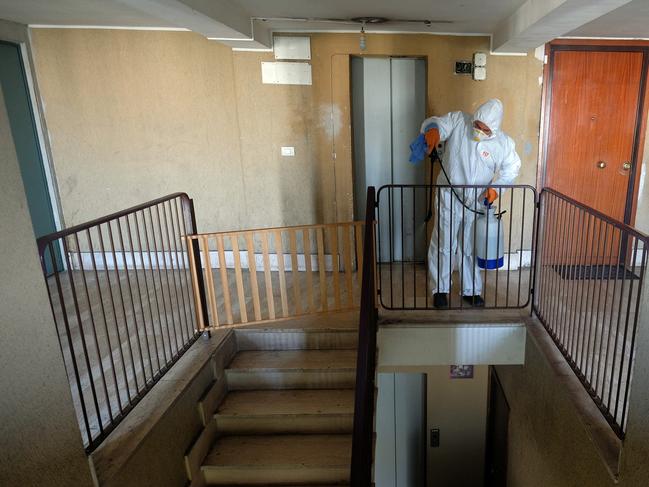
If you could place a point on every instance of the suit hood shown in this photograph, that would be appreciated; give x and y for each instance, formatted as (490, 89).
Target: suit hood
(491, 114)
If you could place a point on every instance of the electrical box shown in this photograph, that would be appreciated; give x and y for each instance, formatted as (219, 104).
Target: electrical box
(463, 67)
(480, 66)
(292, 47)
(479, 73)
(480, 59)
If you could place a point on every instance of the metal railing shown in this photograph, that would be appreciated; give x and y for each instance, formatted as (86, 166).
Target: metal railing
(428, 242)
(123, 305)
(364, 399)
(590, 273)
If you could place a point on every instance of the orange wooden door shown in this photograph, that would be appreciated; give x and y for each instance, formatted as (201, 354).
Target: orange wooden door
(591, 136)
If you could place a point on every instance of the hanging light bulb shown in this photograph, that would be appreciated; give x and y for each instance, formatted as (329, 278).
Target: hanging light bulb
(363, 41)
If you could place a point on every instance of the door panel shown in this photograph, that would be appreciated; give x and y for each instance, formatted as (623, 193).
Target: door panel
(388, 105)
(408, 94)
(591, 136)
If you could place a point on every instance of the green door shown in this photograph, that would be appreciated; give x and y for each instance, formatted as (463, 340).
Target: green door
(23, 130)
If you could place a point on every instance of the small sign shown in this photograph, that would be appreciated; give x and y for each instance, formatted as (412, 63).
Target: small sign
(463, 67)
(461, 372)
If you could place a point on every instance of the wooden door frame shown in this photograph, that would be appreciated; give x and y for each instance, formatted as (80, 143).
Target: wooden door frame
(600, 45)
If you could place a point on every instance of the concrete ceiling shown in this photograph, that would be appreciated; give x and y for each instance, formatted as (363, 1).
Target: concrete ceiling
(78, 12)
(465, 16)
(630, 20)
(515, 25)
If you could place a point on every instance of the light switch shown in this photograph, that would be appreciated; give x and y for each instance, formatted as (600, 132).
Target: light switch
(288, 151)
(480, 59)
(479, 73)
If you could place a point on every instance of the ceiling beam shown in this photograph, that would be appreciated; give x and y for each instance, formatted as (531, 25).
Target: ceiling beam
(539, 21)
(223, 20)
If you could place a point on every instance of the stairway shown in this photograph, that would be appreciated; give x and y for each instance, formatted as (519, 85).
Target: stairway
(287, 416)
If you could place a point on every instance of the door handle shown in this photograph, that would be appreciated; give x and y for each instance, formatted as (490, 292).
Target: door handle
(601, 164)
(626, 165)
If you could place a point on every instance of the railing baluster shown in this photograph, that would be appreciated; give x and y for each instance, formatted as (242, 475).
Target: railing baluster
(163, 254)
(225, 285)
(179, 233)
(193, 258)
(279, 253)
(68, 333)
(123, 308)
(359, 252)
(335, 263)
(603, 318)
(130, 290)
(148, 293)
(306, 244)
(139, 292)
(252, 269)
(112, 302)
(211, 292)
(238, 276)
(347, 256)
(270, 299)
(174, 275)
(94, 334)
(295, 272)
(322, 269)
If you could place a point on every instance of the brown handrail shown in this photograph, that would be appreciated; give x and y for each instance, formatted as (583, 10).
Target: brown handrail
(114, 216)
(598, 214)
(363, 433)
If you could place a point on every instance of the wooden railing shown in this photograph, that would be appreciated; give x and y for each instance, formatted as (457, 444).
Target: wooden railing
(271, 273)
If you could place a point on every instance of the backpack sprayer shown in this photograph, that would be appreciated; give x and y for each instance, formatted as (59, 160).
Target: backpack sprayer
(489, 242)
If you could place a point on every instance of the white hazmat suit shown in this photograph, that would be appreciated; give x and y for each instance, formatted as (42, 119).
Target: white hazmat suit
(491, 160)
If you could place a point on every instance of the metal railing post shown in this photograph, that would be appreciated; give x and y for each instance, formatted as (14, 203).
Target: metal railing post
(198, 269)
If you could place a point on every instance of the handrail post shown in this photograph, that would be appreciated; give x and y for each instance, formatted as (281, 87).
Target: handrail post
(362, 440)
(198, 269)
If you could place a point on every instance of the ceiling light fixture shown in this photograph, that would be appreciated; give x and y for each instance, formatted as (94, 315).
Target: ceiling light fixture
(354, 20)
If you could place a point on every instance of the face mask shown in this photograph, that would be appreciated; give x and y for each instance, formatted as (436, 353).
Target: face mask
(479, 135)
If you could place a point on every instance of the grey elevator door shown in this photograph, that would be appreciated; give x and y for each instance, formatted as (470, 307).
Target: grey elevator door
(388, 103)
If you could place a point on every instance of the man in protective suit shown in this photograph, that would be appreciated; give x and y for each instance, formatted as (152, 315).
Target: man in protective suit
(476, 152)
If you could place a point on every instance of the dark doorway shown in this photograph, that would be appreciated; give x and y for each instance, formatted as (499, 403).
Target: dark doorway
(497, 430)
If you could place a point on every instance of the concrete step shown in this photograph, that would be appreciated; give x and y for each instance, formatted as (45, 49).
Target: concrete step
(295, 339)
(327, 411)
(279, 460)
(292, 369)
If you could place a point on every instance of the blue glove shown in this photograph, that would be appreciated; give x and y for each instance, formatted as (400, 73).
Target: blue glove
(418, 149)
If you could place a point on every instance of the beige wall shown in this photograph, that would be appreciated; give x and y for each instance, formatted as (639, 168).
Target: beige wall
(40, 443)
(458, 407)
(548, 445)
(133, 115)
(642, 212)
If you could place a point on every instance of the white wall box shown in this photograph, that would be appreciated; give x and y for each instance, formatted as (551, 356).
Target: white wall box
(280, 73)
(290, 47)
